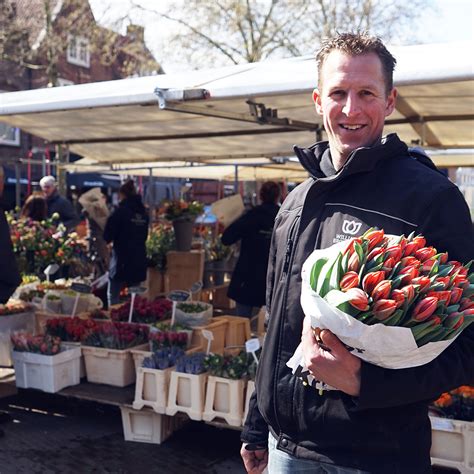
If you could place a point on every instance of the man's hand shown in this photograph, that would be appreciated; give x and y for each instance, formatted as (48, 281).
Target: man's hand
(254, 461)
(338, 368)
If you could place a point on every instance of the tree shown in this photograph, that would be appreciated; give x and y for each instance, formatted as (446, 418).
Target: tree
(219, 32)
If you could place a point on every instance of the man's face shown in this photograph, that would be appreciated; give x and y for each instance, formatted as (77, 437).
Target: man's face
(48, 190)
(353, 102)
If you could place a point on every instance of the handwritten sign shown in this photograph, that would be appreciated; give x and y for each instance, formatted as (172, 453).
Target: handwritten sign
(252, 346)
(209, 335)
(178, 295)
(51, 270)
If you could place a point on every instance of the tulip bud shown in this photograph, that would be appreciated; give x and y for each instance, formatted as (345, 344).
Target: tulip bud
(444, 280)
(358, 299)
(409, 273)
(420, 241)
(398, 297)
(351, 247)
(428, 265)
(466, 303)
(456, 294)
(354, 263)
(395, 252)
(382, 290)
(425, 253)
(410, 249)
(349, 280)
(374, 253)
(453, 320)
(383, 309)
(423, 282)
(409, 293)
(441, 296)
(443, 258)
(424, 309)
(389, 264)
(371, 280)
(374, 237)
(409, 262)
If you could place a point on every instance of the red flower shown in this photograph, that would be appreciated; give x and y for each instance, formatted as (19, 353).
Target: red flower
(374, 237)
(425, 253)
(371, 280)
(424, 308)
(349, 280)
(441, 296)
(382, 290)
(382, 309)
(423, 282)
(358, 299)
(395, 252)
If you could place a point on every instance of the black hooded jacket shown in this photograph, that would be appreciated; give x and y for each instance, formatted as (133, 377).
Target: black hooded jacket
(254, 229)
(127, 227)
(386, 429)
(9, 274)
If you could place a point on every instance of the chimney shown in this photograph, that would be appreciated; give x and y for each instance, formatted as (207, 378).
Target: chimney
(136, 33)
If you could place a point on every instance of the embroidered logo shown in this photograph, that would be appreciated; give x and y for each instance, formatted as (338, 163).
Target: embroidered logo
(351, 227)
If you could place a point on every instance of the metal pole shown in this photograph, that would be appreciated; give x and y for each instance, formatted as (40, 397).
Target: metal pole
(61, 157)
(18, 185)
(151, 193)
(236, 179)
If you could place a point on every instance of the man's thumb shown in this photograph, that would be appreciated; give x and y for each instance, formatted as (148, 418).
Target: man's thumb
(331, 341)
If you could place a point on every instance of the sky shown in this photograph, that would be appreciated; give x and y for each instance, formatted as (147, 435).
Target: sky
(452, 20)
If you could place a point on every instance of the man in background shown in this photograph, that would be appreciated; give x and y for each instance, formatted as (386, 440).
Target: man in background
(58, 204)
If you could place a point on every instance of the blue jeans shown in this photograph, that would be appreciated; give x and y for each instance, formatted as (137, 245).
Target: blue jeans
(280, 462)
(246, 310)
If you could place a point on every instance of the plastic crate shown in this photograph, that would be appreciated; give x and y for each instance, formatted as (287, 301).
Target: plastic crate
(186, 394)
(146, 426)
(452, 444)
(49, 373)
(110, 366)
(151, 389)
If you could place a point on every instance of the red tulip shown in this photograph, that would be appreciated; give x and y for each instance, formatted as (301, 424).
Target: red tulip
(443, 258)
(382, 290)
(409, 293)
(354, 263)
(351, 247)
(374, 253)
(374, 237)
(389, 263)
(409, 273)
(358, 299)
(425, 253)
(466, 303)
(441, 296)
(398, 297)
(371, 280)
(444, 280)
(382, 309)
(423, 282)
(420, 241)
(424, 308)
(453, 320)
(428, 265)
(395, 252)
(409, 262)
(410, 249)
(456, 294)
(349, 280)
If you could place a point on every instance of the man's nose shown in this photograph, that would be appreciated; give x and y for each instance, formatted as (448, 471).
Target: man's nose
(351, 106)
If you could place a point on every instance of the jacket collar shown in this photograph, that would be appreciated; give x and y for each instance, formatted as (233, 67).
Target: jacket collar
(360, 160)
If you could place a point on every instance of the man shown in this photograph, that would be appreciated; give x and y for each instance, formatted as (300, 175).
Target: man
(9, 274)
(377, 421)
(58, 204)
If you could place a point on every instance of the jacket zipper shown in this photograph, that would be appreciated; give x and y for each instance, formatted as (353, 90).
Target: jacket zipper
(286, 266)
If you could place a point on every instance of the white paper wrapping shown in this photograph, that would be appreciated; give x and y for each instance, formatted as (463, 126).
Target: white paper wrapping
(390, 347)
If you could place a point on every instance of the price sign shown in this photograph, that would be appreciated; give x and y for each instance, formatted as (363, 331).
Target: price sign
(195, 287)
(252, 346)
(51, 270)
(138, 290)
(81, 288)
(178, 295)
(209, 335)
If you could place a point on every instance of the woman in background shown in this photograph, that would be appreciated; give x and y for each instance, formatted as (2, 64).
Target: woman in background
(127, 228)
(35, 208)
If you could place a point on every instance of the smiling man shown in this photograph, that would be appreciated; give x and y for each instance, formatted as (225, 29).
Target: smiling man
(377, 419)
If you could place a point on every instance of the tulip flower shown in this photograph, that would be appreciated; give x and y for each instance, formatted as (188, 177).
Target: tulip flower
(354, 263)
(375, 237)
(424, 309)
(423, 282)
(445, 281)
(395, 252)
(466, 303)
(371, 280)
(442, 296)
(420, 241)
(389, 264)
(409, 293)
(351, 247)
(358, 299)
(409, 261)
(453, 320)
(349, 280)
(398, 297)
(382, 290)
(456, 294)
(383, 309)
(373, 254)
(425, 253)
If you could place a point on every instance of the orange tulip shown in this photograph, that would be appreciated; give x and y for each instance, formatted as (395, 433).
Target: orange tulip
(374, 237)
(349, 280)
(358, 299)
(382, 290)
(425, 253)
(424, 308)
(371, 280)
(382, 309)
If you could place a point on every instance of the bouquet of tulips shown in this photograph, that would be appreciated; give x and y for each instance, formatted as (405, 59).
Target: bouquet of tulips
(393, 301)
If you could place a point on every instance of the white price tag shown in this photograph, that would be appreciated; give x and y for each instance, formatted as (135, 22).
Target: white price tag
(441, 424)
(51, 270)
(252, 345)
(209, 335)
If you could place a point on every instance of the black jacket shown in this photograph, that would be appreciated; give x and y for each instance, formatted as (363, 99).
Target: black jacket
(9, 274)
(60, 205)
(127, 227)
(254, 228)
(386, 429)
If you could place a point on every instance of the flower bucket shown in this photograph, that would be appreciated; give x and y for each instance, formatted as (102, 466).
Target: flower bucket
(219, 267)
(183, 232)
(207, 275)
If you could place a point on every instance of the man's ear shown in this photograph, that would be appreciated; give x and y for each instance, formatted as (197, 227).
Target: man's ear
(317, 101)
(391, 101)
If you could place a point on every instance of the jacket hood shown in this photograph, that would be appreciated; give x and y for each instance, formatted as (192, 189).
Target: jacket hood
(361, 159)
(134, 203)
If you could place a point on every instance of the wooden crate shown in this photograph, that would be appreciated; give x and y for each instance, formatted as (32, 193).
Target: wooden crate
(184, 269)
(156, 283)
(238, 330)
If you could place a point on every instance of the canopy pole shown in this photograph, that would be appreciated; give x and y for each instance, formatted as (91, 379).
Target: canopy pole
(18, 185)
(151, 194)
(236, 179)
(61, 158)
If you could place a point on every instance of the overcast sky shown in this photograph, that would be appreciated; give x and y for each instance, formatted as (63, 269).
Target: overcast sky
(453, 20)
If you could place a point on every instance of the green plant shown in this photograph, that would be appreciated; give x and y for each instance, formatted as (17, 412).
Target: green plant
(230, 367)
(179, 208)
(160, 241)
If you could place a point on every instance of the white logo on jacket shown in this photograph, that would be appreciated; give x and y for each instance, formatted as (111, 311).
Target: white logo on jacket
(351, 227)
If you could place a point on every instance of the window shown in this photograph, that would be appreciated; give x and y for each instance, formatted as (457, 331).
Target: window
(9, 135)
(78, 51)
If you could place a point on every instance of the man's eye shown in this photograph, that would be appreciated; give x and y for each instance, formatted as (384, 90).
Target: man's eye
(367, 93)
(337, 93)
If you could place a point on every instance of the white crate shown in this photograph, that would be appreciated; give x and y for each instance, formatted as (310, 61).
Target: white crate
(82, 364)
(452, 444)
(186, 394)
(110, 366)
(47, 373)
(146, 426)
(151, 389)
(8, 324)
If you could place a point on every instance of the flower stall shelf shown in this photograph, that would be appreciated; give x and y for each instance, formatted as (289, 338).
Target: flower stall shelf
(218, 327)
(146, 426)
(14, 316)
(107, 352)
(153, 379)
(187, 387)
(41, 362)
(225, 388)
(452, 444)
(238, 330)
(248, 394)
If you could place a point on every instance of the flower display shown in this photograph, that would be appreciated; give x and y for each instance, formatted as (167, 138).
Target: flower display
(115, 335)
(458, 403)
(181, 209)
(191, 363)
(398, 281)
(14, 307)
(163, 358)
(169, 338)
(215, 250)
(159, 242)
(144, 311)
(70, 329)
(41, 344)
(229, 366)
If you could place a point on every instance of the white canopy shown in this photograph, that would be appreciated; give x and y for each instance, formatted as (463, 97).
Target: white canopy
(252, 113)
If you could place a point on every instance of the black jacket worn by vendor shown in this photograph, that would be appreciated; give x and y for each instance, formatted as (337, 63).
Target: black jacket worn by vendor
(127, 227)
(386, 429)
(254, 229)
(9, 274)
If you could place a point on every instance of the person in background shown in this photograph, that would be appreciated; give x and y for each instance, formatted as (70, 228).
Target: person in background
(9, 274)
(127, 228)
(35, 208)
(254, 230)
(58, 204)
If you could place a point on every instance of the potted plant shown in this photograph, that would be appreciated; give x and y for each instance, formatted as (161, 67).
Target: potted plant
(42, 362)
(225, 387)
(182, 214)
(220, 255)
